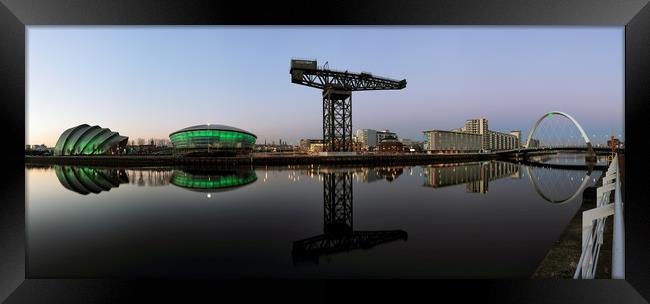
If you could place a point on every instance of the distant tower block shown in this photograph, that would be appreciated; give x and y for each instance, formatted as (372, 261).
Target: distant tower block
(337, 89)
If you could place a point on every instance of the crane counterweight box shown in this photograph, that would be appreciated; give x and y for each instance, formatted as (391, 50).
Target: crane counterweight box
(303, 64)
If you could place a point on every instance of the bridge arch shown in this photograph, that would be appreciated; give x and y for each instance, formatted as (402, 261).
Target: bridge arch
(550, 114)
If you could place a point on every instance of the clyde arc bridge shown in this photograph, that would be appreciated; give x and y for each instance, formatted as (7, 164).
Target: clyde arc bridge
(558, 131)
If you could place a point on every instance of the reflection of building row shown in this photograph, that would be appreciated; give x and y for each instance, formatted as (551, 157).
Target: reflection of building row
(368, 175)
(361, 174)
(476, 176)
(153, 177)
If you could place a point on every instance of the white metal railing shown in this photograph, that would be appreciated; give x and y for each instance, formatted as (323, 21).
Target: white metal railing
(593, 225)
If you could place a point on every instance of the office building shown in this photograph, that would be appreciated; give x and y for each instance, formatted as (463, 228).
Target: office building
(492, 140)
(439, 141)
(369, 138)
(517, 133)
(497, 141)
(390, 144)
(476, 126)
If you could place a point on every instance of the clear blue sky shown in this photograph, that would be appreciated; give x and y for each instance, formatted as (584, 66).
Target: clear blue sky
(150, 81)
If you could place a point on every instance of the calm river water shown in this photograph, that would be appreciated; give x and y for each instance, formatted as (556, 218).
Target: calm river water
(480, 219)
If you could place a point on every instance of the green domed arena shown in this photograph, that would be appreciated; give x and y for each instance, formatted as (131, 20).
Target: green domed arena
(212, 139)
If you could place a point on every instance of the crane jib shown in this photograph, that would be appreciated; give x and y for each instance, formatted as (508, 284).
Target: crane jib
(320, 79)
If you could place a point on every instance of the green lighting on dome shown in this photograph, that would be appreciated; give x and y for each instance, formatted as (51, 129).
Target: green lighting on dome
(212, 138)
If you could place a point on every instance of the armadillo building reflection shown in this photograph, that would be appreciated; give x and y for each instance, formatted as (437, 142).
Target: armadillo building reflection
(476, 175)
(84, 180)
(212, 181)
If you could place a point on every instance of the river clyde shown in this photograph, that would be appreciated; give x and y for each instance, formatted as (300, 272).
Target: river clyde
(487, 219)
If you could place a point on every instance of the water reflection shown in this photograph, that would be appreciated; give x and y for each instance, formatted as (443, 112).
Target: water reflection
(389, 174)
(150, 177)
(85, 180)
(339, 234)
(360, 174)
(551, 184)
(251, 231)
(476, 175)
(213, 180)
(566, 158)
(559, 186)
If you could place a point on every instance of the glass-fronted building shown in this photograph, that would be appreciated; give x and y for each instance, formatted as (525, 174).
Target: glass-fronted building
(212, 139)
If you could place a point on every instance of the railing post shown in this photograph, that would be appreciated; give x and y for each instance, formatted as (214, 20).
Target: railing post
(618, 244)
(592, 233)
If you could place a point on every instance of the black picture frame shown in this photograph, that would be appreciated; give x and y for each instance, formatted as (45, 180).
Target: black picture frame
(15, 15)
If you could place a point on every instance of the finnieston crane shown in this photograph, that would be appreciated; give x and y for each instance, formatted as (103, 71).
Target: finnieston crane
(337, 89)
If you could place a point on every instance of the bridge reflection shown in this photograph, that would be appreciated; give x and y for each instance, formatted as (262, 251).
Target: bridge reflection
(338, 230)
(559, 186)
(475, 175)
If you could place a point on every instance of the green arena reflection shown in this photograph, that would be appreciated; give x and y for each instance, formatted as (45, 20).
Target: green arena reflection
(84, 180)
(213, 181)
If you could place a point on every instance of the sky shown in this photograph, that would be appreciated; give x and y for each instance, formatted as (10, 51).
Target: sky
(146, 82)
